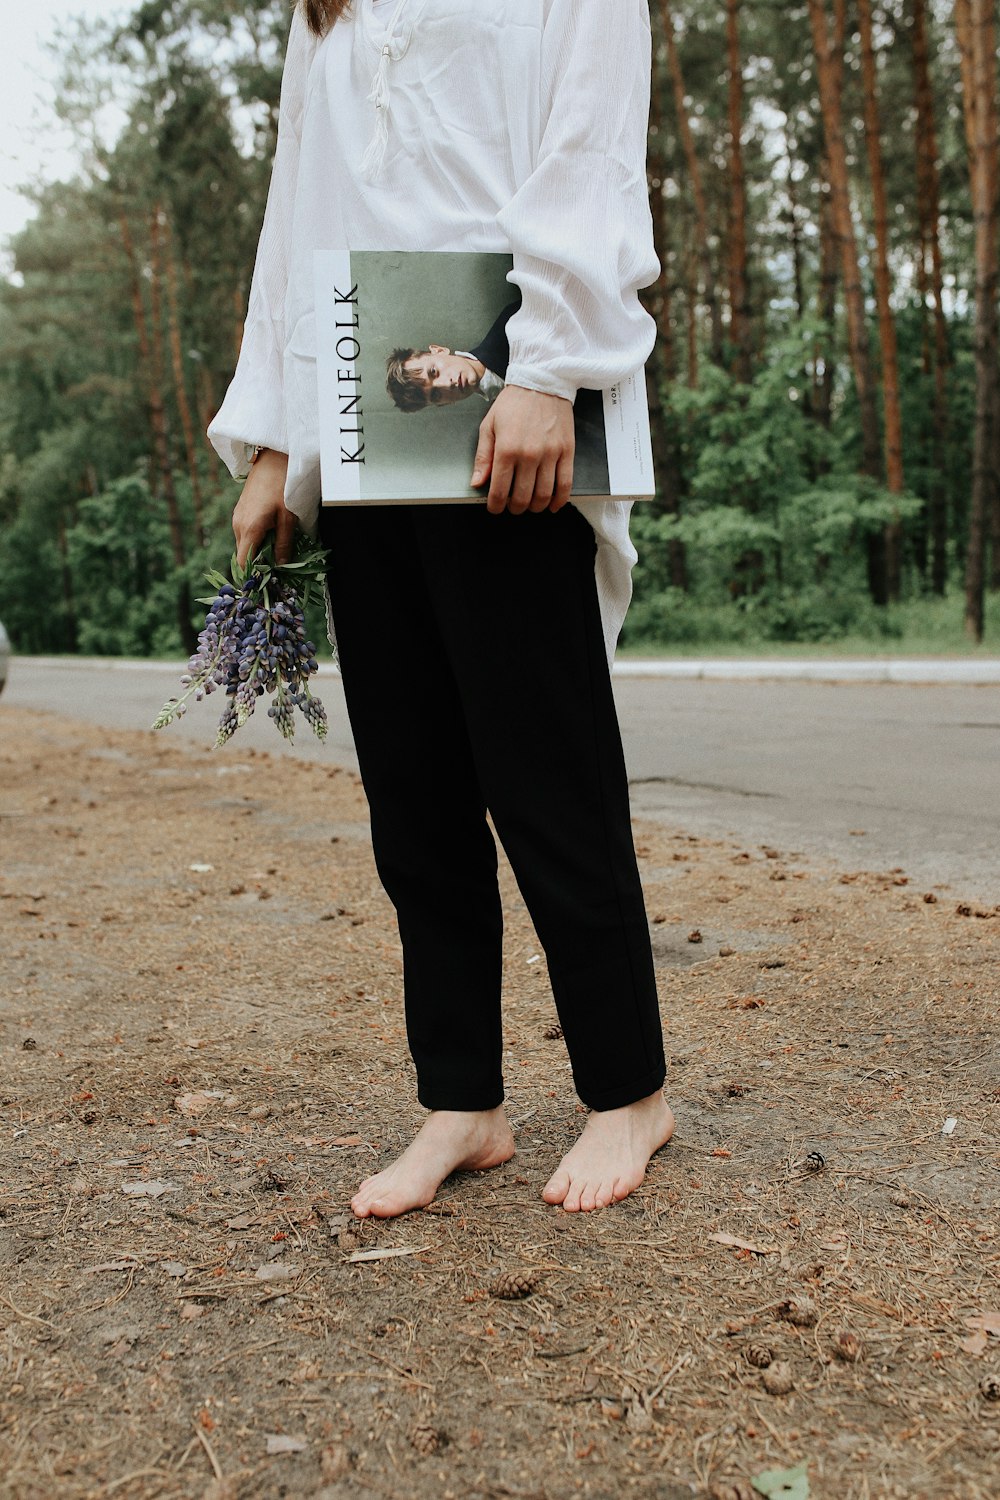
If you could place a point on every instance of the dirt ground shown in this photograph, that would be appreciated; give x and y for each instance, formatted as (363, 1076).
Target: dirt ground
(202, 1054)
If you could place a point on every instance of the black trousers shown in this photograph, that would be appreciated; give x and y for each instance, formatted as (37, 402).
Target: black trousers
(476, 679)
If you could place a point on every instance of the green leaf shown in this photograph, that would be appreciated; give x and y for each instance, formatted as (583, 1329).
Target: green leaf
(783, 1484)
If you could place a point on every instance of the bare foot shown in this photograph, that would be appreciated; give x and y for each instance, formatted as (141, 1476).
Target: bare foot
(609, 1160)
(448, 1141)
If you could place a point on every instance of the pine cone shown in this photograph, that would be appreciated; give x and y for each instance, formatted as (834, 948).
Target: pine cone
(732, 1489)
(814, 1162)
(512, 1285)
(272, 1180)
(426, 1439)
(777, 1378)
(989, 1387)
(848, 1346)
(758, 1355)
(553, 1033)
(799, 1311)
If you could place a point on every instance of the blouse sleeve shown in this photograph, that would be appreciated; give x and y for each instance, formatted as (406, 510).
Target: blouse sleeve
(253, 410)
(580, 226)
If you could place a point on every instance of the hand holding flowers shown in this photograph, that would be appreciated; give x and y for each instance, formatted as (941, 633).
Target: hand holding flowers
(254, 642)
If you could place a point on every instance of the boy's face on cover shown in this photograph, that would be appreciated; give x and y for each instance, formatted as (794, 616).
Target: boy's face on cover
(445, 377)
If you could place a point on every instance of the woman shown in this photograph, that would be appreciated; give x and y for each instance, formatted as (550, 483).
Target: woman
(474, 641)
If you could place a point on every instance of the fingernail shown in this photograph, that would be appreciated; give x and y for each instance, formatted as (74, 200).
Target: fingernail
(477, 474)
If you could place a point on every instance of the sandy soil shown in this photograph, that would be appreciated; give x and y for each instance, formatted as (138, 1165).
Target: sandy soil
(202, 1054)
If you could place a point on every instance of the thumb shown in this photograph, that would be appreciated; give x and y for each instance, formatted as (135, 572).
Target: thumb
(484, 453)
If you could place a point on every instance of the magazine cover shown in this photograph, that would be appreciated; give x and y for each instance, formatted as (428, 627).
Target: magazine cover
(412, 350)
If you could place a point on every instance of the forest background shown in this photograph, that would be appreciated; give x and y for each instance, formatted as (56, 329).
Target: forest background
(824, 390)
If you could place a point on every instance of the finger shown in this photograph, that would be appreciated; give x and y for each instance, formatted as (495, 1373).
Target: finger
(564, 483)
(545, 484)
(524, 484)
(500, 482)
(483, 462)
(248, 542)
(284, 537)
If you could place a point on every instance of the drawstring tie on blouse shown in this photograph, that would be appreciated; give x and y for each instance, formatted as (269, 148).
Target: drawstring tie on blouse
(391, 49)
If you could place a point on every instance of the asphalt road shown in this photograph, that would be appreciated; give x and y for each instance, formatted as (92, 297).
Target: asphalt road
(869, 775)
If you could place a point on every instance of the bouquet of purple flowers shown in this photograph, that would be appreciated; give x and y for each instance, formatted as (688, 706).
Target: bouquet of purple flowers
(254, 642)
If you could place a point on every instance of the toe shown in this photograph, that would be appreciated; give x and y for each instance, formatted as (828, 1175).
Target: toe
(572, 1201)
(556, 1188)
(588, 1198)
(604, 1196)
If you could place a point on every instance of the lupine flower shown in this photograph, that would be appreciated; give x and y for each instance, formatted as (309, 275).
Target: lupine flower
(254, 642)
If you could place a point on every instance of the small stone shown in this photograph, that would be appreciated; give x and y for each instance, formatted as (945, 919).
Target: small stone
(758, 1355)
(223, 1489)
(930, 898)
(694, 936)
(334, 1462)
(777, 1378)
(989, 1387)
(901, 1200)
(726, 952)
(511, 1286)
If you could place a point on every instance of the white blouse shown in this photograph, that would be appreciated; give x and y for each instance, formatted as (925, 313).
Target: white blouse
(516, 126)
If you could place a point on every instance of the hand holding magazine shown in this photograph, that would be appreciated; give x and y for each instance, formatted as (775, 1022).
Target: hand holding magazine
(412, 350)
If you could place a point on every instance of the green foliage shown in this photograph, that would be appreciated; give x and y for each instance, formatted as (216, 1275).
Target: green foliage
(119, 555)
(774, 519)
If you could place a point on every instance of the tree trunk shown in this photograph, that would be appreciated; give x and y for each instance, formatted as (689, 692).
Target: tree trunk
(709, 291)
(691, 304)
(138, 317)
(739, 309)
(843, 226)
(180, 382)
(828, 278)
(158, 417)
(662, 368)
(974, 21)
(887, 324)
(929, 208)
(794, 230)
(829, 248)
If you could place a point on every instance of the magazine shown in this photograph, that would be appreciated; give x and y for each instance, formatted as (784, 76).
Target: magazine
(411, 351)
